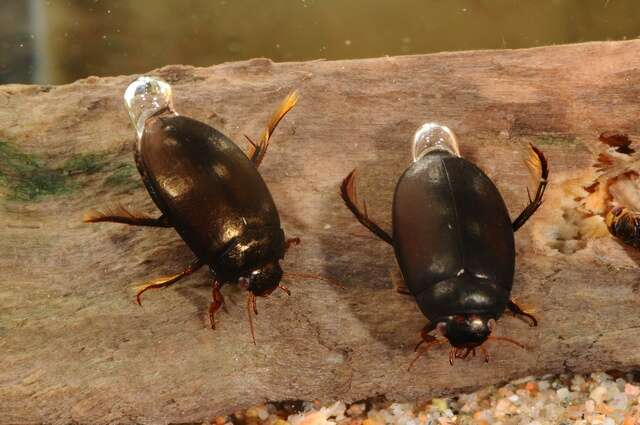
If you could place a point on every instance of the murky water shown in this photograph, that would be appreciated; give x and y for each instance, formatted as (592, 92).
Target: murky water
(60, 41)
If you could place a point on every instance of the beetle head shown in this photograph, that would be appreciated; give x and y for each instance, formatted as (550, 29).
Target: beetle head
(467, 330)
(263, 280)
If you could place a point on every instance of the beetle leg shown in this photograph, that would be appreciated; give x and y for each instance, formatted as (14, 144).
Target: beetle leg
(350, 198)
(251, 307)
(399, 284)
(257, 151)
(120, 214)
(289, 242)
(520, 313)
(462, 353)
(538, 166)
(426, 338)
(163, 282)
(430, 340)
(216, 303)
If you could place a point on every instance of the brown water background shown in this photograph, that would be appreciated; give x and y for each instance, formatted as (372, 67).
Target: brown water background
(59, 41)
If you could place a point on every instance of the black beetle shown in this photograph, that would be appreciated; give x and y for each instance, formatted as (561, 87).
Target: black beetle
(209, 191)
(453, 240)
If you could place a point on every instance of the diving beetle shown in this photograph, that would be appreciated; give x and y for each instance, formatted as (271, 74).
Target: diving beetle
(453, 240)
(209, 191)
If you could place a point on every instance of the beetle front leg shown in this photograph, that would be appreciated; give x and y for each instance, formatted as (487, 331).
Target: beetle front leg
(350, 198)
(165, 281)
(124, 216)
(519, 312)
(537, 164)
(426, 338)
(430, 340)
(216, 302)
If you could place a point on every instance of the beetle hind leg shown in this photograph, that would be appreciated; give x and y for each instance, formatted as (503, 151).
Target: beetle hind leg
(518, 312)
(350, 198)
(539, 169)
(258, 150)
(122, 215)
(163, 282)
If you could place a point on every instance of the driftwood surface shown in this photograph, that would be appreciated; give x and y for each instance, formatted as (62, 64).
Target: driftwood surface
(75, 346)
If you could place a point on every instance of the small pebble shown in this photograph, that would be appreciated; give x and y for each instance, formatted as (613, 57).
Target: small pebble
(532, 388)
(632, 390)
(439, 403)
(563, 393)
(252, 412)
(598, 394)
(356, 409)
(263, 414)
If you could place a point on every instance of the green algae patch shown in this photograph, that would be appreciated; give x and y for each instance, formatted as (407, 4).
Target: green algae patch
(556, 140)
(88, 163)
(124, 175)
(28, 177)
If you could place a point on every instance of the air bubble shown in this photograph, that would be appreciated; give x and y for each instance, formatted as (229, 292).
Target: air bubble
(432, 136)
(146, 97)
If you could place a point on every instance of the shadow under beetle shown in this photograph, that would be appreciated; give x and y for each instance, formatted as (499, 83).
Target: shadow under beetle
(210, 192)
(453, 240)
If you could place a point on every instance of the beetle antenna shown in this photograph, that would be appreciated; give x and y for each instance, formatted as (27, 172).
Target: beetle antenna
(315, 277)
(251, 305)
(503, 338)
(424, 350)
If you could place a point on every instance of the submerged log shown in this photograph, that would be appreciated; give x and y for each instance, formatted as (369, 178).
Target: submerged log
(76, 347)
